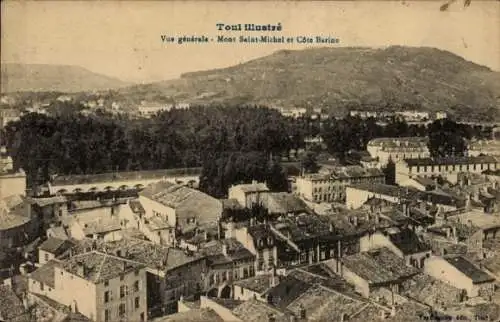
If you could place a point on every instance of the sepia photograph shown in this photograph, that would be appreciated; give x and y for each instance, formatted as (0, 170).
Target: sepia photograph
(250, 161)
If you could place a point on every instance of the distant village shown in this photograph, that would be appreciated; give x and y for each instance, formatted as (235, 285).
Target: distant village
(341, 244)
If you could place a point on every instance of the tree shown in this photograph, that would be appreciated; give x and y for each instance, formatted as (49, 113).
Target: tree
(309, 162)
(390, 173)
(447, 138)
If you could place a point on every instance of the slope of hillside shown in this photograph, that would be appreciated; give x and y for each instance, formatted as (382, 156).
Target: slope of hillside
(61, 78)
(336, 78)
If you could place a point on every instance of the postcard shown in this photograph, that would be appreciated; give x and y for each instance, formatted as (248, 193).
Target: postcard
(250, 161)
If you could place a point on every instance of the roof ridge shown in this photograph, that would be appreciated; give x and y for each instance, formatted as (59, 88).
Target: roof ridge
(98, 275)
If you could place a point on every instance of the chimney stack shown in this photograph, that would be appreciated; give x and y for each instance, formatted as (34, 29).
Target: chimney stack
(274, 278)
(81, 269)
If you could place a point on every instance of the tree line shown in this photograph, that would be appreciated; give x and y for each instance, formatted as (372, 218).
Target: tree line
(233, 144)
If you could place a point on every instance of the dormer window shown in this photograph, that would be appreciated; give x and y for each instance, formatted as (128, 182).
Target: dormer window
(260, 243)
(270, 241)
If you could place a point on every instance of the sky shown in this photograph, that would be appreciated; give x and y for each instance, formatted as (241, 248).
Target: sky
(122, 38)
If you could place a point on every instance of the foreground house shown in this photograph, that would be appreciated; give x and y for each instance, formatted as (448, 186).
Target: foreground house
(100, 286)
(461, 273)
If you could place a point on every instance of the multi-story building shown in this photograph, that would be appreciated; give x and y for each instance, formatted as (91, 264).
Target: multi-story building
(397, 149)
(100, 286)
(248, 194)
(448, 168)
(486, 147)
(181, 207)
(461, 273)
(332, 186)
(17, 225)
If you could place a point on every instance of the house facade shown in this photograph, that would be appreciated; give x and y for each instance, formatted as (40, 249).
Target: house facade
(448, 168)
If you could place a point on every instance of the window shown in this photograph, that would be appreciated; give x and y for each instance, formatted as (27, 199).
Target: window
(142, 317)
(122, 291)
(106, 283)
(121, 309)
(46, 257)
(136, 302)
(106, 297)
(136, 272)
(136, 286)
(106, 315)
(242, 291)
(41, 286)
(121, 277)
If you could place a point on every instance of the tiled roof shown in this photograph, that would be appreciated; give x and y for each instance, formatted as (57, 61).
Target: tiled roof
(476, 218)
(323, 304)
(99, 267)
(288, 289)
(187, 202)
(12, 201)
(227, 303)
(321, 274)
(157, 223)
(152, 255)
(194, 315)
(235, 250)
(400, 142)
(45, 273)
(252, 187)
(493, 264)
(379, 266)
(11, 307)
(103, 225)
(260, 232)
(258, 311)
(231, 204)
(124, 176)
(409, 193)
(57, 232)
(405, 312)
(303, 227)
(431, 291)
(136, 207)
(42, 202)
(9, 220)
(408, 242)
(450, 161)
(258, 284)
(55, 245)
(426, 182)
(284, 203)
(469, 269)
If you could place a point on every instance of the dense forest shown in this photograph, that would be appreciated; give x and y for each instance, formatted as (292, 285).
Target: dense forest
(232, 144)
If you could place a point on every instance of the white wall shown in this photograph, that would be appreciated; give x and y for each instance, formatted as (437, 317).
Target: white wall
(12, 184)
(439, 268)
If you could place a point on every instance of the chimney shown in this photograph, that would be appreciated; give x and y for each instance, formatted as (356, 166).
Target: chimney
(454, 232)
(25, 301)
(81, 269)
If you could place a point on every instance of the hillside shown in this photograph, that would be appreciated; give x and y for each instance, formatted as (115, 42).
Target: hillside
(346, 78)
(61, 78)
